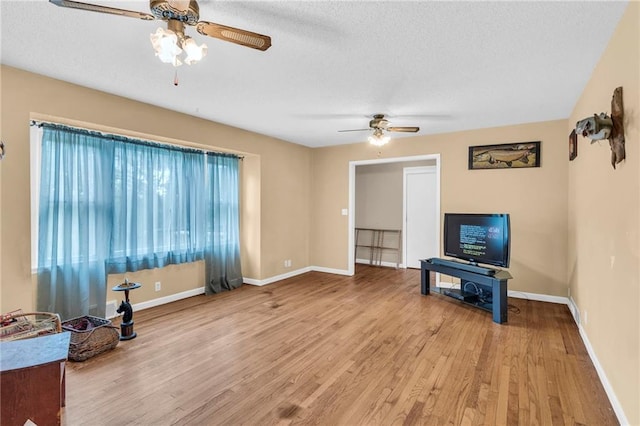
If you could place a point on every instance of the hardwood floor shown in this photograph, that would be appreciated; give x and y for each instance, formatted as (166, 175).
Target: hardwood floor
(333, 350)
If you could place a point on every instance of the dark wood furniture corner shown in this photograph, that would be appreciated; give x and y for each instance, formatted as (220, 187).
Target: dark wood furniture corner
(32, 379)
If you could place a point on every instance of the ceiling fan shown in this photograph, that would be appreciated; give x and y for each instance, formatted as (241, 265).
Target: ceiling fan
(170, 43)
(379, 125)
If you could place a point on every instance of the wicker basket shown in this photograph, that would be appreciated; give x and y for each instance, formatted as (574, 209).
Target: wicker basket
(17, 325)
(90, 336)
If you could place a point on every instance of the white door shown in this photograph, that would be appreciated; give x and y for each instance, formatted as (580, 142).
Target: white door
(421, 215)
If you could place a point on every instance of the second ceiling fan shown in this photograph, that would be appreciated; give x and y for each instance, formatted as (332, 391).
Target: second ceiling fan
(379, 125)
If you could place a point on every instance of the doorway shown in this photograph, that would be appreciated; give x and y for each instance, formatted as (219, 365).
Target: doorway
(434, 198)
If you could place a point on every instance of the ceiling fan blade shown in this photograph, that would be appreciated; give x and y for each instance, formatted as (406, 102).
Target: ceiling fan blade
(102, 9)
(354, 130)
(234, 35)
(403, 129)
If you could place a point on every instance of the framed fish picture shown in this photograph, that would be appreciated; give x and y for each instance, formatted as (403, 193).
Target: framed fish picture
(505, 156)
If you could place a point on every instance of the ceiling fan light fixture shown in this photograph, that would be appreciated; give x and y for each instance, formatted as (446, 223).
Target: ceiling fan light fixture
(194, 52)
(168, 44)
(378, 138)
(165, 44)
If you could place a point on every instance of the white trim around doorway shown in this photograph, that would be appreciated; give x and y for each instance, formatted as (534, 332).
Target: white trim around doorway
(352, 191)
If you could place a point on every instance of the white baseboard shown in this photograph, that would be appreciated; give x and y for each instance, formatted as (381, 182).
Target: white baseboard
(276, 278)
(575, 312)
(330, 270)
(613, 399)
(383, 263)
(167, 299)
(538, 297)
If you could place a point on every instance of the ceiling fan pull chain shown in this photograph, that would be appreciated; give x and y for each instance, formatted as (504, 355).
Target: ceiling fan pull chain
(175, 78)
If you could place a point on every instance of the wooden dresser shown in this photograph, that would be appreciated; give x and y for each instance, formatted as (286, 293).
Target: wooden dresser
(32, 379)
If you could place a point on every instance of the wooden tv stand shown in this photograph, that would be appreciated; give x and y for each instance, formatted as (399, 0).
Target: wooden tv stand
(497, 281)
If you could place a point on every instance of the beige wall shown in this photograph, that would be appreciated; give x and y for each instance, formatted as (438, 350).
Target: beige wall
(276, 179)
(604, 220)
(535, 197)
(378, 194)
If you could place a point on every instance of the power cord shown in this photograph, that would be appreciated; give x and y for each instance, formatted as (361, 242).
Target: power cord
(483, 295)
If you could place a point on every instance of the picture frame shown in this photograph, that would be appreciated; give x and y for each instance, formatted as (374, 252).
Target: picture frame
(573, 145)
(505, 156)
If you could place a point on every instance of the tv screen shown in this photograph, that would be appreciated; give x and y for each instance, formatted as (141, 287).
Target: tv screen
(477, 237)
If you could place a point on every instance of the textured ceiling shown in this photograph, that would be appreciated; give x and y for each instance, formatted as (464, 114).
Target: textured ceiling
(443, 66)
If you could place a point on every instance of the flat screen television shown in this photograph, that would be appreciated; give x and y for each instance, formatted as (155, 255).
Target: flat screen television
(478, 237)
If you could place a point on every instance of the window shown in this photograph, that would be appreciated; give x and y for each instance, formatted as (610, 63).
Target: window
(158, 205)
(110, 204)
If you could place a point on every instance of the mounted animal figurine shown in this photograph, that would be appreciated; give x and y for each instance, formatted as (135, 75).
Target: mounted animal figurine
(601, 126)
(128, 312)
(595, 128)
(616, 139)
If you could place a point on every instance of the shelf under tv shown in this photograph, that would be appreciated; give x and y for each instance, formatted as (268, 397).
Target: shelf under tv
(465, 297)
(497, 282)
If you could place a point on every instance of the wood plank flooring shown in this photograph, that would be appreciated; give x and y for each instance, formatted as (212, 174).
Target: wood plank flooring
(332, 350)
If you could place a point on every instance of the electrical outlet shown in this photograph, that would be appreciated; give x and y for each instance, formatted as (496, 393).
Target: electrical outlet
(287, 263)
(158, 286)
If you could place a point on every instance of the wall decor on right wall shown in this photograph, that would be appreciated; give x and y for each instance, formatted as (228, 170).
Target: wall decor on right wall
(505, 156)
(616, 138)
(601, 126)
(573, 145)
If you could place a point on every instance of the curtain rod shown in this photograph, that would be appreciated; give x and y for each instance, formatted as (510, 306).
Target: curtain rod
(129, 138)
